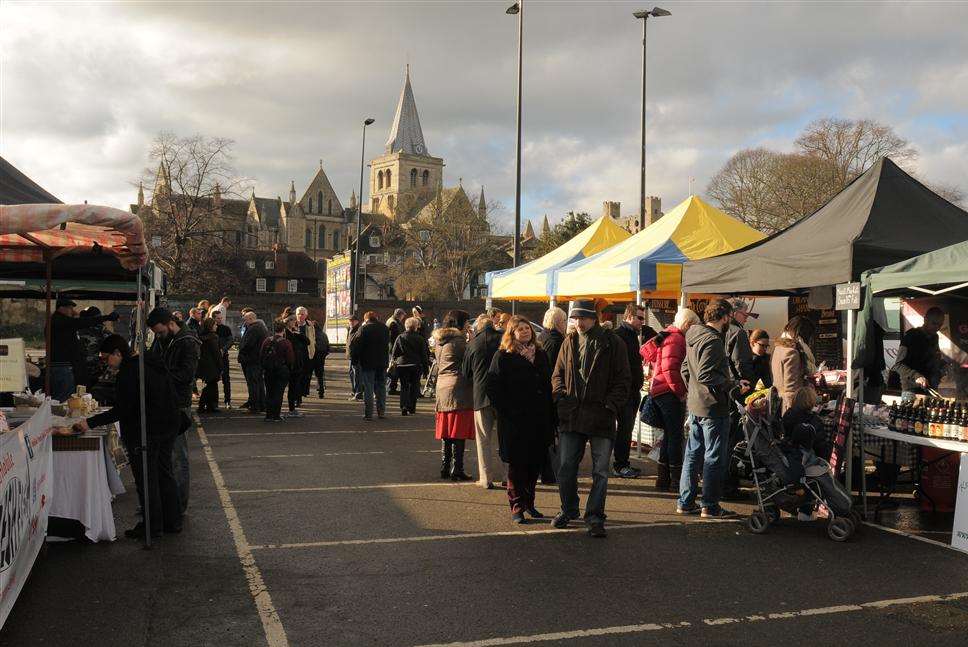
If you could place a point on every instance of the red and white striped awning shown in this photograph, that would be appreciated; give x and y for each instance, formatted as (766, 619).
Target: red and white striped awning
(26, 230)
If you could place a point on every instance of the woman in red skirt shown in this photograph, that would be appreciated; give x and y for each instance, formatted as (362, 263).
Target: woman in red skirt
(455, 395)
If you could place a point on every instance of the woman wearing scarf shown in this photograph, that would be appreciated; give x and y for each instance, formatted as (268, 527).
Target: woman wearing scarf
(793, 361)
(519, 387)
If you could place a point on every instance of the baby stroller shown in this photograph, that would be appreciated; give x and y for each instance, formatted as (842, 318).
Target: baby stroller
(430, 386)
(788, 475)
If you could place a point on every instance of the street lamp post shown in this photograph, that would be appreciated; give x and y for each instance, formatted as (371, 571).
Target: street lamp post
(656, 12)
(518, 9)
(354, 283)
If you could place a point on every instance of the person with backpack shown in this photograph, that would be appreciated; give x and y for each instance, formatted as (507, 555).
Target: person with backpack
(319, 362)
(277, 359)
(300, 349)
(209, 366)
(255, 333)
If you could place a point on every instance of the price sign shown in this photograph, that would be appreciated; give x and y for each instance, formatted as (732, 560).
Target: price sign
(848, 296)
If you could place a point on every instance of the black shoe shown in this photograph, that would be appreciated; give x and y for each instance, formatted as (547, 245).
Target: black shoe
(597, 530)
(381, 416)
(459, 475)
(358, 397)
(245, 405)
(518, 517)
(368, 418)
(405, 413)
(489, 486)
(393, 392)
(445, 471)
(535, 514)
(138, 532)
(321, 394)
(561, 520)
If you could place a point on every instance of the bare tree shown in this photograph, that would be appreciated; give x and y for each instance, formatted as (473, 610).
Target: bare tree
(188, 179)
(852, 146)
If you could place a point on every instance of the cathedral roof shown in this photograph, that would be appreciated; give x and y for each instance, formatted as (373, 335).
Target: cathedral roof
(405, 133)
(320, 182)
(269, 211)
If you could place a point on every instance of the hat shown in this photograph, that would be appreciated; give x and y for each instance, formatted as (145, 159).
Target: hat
(582, 308)
(63, 302)
(739, 305)
(418, 309)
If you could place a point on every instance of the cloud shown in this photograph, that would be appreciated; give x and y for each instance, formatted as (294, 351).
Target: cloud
(85, 88)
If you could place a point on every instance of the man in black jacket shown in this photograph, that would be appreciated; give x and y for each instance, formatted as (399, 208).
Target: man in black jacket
(179, 349)
(66, 362)
(356, 383)
(225, 341)
(629, 331)
(255, 333)
(395, 326)
(368, 351)
(162, 418)
(477, 362)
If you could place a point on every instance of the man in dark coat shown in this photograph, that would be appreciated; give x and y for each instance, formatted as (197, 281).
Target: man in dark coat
(741, 366)
(368, 350)
(356, 384)
(395, 326)
(319, 361)
(225, 341)
(477, 362)
(590, 385)
(629, 331)
(300, 349)
(709, 381)
(255, 333)
(179, 350)
(66, 363)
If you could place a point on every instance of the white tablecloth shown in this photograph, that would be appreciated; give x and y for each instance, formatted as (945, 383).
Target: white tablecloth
(84, 482)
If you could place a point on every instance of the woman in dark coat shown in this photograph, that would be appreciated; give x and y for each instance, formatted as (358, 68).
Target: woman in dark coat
(519, 387)
(209, 368)
(300, 348)
(411, 356)
(555, 324)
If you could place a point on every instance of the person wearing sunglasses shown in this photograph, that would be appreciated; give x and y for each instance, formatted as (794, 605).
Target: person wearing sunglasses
(630, 331)
(760, 345)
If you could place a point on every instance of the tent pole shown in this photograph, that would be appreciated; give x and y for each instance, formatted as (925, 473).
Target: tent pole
(552, 302)
(638, 297)
(47, 331)
(139, 336)
(683, 299)
(849, 450)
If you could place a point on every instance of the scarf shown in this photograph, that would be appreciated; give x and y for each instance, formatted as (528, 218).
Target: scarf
(527, 352)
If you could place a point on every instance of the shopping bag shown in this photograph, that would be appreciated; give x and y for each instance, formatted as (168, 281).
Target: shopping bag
(658, 435)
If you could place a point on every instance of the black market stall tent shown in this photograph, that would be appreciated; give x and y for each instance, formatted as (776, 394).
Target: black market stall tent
(884, 216)
(17, 188)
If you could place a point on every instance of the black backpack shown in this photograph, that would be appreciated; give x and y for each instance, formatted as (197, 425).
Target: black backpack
(270, 357)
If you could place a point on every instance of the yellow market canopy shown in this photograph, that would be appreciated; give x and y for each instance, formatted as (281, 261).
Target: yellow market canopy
(534, 281)
(651, 260)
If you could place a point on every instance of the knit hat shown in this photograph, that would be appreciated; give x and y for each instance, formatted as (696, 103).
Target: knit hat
(582, 308)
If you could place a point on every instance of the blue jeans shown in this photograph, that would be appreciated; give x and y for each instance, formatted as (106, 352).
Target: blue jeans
(61, 381)
(356, 381)
(571, 449)
(707, 444)
(179, 461)
(374, 383)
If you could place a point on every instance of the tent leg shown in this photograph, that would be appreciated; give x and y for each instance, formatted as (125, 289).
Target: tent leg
(139, 336)
(488, 303)
(849, 393)
(638, 298)
(552, 302)
(47, 331)
(683, 300)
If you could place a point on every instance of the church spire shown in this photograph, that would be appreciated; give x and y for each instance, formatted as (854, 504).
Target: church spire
(545, 227)
(482, 204)
(292, 193)
(405, 133)
(141, 194)
(353, 199)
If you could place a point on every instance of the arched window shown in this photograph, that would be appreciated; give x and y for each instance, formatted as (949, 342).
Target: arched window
(310, 206)
(336, 239)
(389, 183)
(413, 178)
(390, 201)
(309, 238)
(319, 202)
(379, 180)
(329, 207)
(426, 178)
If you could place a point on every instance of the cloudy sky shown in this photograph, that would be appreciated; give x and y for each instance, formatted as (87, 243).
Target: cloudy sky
(85, 88)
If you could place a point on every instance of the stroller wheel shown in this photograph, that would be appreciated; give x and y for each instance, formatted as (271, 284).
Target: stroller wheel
(759, 522)
(840, 528)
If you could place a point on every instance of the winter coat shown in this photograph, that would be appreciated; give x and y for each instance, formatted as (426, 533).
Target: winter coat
(789, 370)
(706, 373)
(350, 336)
(631, 339)
(371, 347)
(209, 367)
(739, 352)
(251, 342)
(161, 409)
(550, 341)
(285, 356)
(411, 349)
(322, 343)
(308, 328)
(665, 353)
(520, 392)
(762, 370)
(300, 348)
(591, 410)
(477, 362)
(454, 391)
(396, 329)
(180, 352)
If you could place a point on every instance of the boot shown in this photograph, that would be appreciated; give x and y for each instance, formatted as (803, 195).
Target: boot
(445, 453)
(675, 471)
(663, 478)
(458, 473)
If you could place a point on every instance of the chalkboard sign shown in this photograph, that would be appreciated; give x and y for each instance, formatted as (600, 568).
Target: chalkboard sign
(827, 344)
(848, 296)
(664, 310)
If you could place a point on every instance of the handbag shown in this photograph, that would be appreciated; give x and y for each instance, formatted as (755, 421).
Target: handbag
(648, 412)
(392, 369)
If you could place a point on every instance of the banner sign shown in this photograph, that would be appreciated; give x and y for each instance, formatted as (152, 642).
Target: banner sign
(25, 463)
(338, 297)
(959, 533)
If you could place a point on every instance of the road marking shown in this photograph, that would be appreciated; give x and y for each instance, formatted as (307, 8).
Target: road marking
(304, 455)
(316, 433)
(271, 624)
(709, 622)
(352, 488)
(895, 531)
(469, 535)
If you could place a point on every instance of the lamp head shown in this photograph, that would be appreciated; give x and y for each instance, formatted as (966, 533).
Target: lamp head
(513, 9)
(368, 121)
(658, 12)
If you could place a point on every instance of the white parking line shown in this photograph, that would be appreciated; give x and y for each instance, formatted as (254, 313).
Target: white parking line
(352, 488)
(317, 433)
(469, 535)
(271, 624)
(304, 455)
(708, 622)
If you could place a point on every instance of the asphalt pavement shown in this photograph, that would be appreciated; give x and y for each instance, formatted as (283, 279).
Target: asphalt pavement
(327, 530)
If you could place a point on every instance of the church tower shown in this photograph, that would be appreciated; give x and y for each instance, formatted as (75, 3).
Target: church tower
(406, 176)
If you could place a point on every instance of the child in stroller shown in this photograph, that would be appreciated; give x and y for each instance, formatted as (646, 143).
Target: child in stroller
(779, 454)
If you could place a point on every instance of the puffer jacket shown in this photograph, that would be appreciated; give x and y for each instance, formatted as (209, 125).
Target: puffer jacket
(665, 353)
(706, 373)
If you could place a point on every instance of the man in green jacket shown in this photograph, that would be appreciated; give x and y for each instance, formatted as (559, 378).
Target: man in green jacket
(590, 385)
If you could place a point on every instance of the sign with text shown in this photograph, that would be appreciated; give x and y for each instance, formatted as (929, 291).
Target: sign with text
(25, 462)
(959, 533)
(13, 367)
(848, 296)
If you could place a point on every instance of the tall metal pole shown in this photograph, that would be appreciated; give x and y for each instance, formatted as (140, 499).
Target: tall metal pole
(354, 283)
(139, 337)
(645, 22)
(517, 169)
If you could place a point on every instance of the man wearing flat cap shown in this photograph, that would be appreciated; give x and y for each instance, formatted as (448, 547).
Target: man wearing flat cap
(66, 362)
(590, 385)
